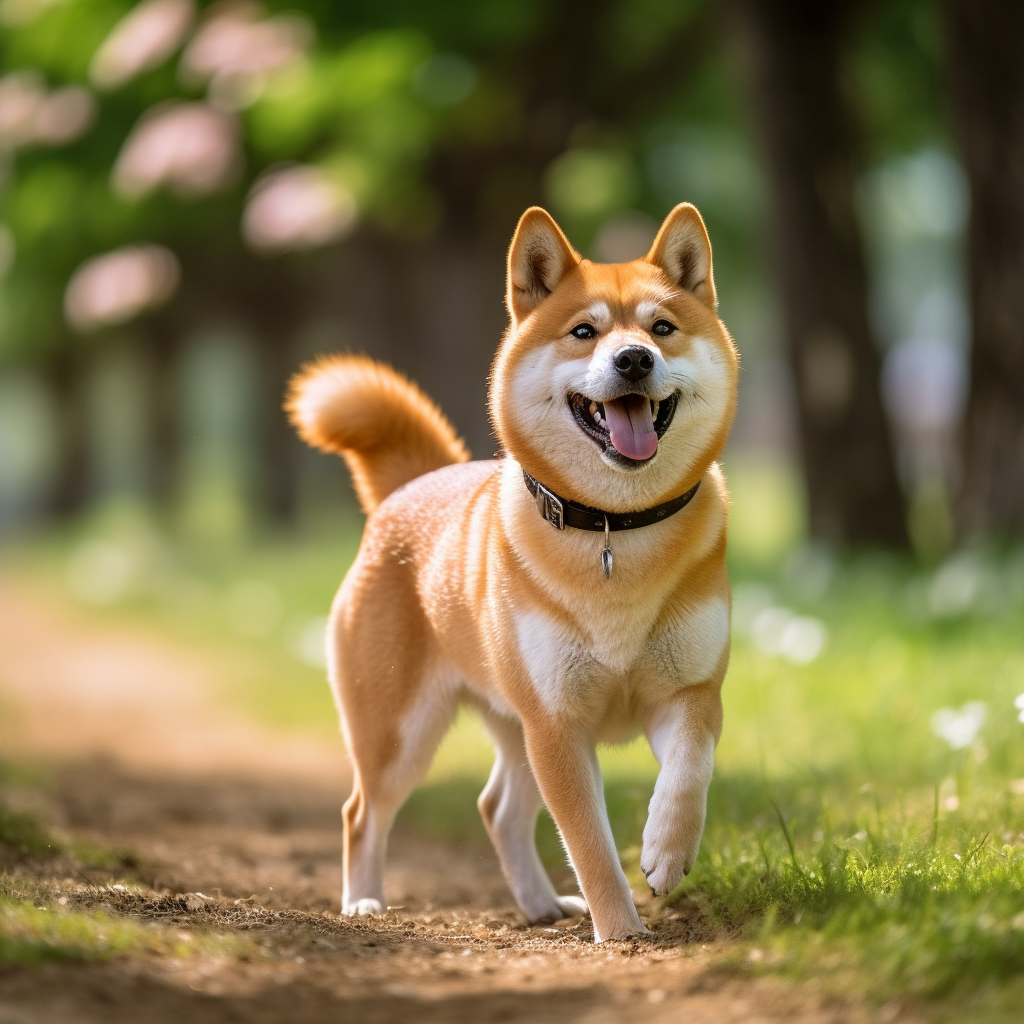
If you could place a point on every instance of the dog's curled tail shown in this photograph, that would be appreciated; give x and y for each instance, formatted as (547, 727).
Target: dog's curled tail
(384, 427)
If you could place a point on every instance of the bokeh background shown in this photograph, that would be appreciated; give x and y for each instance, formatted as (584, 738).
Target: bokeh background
(196, 197)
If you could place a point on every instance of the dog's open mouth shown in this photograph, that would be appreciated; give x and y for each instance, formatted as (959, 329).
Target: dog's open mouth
(631, 425)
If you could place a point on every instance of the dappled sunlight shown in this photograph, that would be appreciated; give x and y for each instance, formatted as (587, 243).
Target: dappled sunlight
(143, 39)
(119, 285)
(297, 208)
(32, 115)
(188, 147)
(21, 94)
(237, 48)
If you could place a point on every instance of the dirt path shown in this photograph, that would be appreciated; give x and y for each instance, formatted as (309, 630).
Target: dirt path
(70, 688)
(141, 759)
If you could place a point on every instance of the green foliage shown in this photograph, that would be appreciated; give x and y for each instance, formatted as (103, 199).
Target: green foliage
(61, 41)
(433, 114)
(894, 76)
(21, 835)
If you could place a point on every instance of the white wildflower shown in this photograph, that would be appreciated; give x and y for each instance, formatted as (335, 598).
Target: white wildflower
(959, 728)
(1019, 705)
(803, 640)
(799, 639)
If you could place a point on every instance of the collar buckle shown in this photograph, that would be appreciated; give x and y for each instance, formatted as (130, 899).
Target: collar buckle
(550, 506)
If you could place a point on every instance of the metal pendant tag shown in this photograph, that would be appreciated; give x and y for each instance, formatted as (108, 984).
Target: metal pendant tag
(606, 555)
(606, 563)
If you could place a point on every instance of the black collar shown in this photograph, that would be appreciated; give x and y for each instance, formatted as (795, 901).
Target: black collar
(561, 512)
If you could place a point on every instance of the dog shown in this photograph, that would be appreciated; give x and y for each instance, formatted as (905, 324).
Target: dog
(574, 590)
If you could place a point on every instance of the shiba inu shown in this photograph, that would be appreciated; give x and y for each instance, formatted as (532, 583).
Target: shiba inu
(574, 590)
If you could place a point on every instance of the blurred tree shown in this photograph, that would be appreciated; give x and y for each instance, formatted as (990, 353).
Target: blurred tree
(208, 130)
(348, 175)
(985, 67)
(792, 52)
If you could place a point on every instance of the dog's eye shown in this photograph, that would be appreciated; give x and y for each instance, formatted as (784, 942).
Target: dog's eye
(662, 327)
(584, 332)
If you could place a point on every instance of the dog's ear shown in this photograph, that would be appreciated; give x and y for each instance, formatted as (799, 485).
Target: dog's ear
(683, 250)
(539, 257)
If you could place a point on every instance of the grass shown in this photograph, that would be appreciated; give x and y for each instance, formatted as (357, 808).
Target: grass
(25, 840)
(845, 839)
(35, 927)
(21, 835)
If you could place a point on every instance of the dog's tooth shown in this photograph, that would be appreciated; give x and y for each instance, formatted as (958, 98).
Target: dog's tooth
(593, 408)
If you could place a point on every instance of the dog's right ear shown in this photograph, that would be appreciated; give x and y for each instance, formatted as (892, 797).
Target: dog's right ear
(539, 257)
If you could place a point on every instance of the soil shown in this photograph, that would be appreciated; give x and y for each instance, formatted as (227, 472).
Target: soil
(225, 827)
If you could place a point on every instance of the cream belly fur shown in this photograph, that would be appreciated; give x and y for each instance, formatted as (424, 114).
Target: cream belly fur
(615, 386)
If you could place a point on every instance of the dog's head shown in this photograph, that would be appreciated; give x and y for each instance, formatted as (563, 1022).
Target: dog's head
(615, 384)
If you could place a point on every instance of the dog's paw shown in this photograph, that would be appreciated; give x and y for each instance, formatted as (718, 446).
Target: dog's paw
(665, 862)
(359, 908)
(670, 845)
(554, 910)
(631, 927)
(666, 873)
(573, 906)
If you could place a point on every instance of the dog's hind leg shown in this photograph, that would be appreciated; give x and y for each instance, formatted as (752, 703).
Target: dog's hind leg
(396, 703)
(380, 789)
(509, 806)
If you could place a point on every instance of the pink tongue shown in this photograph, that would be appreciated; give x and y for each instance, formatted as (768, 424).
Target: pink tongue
(631, 425)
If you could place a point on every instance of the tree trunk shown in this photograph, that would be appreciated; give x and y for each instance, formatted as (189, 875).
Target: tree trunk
(161, 352)
(69, 494)
(791, 51)
(985, 69)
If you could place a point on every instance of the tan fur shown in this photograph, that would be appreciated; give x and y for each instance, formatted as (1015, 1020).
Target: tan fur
(386, 429)
(461, 592)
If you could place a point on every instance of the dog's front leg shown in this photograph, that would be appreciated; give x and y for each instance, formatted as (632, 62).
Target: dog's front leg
(565, 766)
(682, 734)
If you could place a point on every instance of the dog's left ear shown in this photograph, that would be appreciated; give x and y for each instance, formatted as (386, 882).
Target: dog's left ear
(683, 250)
(539, 257)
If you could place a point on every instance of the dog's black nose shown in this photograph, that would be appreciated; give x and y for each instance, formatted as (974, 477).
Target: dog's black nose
(634, 361)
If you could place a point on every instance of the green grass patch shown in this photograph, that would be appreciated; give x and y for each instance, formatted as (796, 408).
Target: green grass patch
(32, 933)
(929, 905)
(24, 839)
(22, 835)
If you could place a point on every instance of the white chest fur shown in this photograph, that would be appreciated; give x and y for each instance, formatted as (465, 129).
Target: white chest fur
(572, 671)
